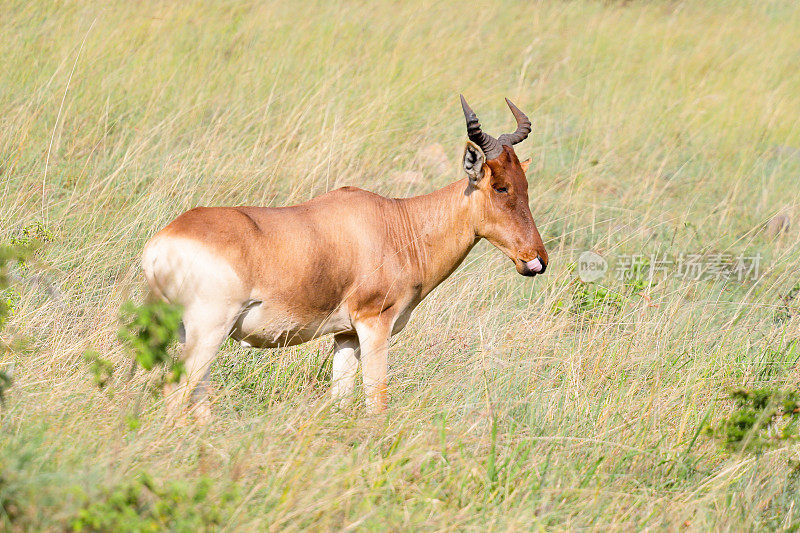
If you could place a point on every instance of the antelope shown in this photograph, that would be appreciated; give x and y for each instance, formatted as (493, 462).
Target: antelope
(349, 262)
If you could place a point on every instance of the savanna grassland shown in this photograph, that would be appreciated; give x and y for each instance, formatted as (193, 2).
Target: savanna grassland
(516, 404)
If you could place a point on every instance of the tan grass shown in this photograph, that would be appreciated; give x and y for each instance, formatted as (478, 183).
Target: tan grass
(658, 127)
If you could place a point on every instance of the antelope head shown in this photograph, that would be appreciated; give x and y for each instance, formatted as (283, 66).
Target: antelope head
(498, 192)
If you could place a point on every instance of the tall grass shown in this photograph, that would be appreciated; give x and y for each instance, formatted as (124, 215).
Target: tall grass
(659, 127)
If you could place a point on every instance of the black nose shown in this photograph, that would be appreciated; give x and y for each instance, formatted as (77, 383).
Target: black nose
(544, 264)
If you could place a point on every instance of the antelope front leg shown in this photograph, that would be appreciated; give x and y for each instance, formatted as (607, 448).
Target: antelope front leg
(373, 336)
(345, 366)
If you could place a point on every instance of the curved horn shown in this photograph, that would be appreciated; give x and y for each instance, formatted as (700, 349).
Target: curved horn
(523, 127)
(491, 148)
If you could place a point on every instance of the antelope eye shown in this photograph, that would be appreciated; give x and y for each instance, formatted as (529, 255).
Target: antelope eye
(500, 189)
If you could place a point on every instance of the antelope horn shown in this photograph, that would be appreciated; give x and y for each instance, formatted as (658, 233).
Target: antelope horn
(523, 127)
(491, 148)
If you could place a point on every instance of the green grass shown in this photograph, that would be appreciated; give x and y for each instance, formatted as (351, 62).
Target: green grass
(658, 127)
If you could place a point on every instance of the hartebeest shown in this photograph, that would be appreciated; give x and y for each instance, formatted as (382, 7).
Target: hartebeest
(349, 262)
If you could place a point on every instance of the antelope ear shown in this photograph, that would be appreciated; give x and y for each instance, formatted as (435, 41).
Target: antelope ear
(525, 164)
(473, 162)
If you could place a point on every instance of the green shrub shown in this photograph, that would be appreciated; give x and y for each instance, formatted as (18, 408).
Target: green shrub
(32, 234)
(761, 418)
(102, 369)
(142, 505)
(9, 255)
(148, 331)
(788, 307)
(590, 299)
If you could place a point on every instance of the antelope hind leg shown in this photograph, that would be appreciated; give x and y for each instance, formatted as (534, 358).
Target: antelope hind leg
(205, 332)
